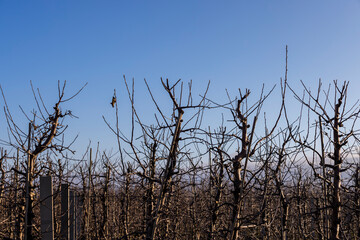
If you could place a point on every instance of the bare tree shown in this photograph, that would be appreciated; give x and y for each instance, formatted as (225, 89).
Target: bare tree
(334, 132)
(248, 147)
(161, 142)
(44, 129)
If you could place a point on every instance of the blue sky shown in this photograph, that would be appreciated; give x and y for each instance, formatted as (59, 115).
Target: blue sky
(234, 44)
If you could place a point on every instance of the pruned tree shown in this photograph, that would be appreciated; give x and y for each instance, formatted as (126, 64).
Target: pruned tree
(328, 150)
(161, 142)
(45, 132)
(248, 146)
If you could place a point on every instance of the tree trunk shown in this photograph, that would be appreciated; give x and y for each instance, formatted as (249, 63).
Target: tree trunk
(218, 194)
(336, 200)
(238, 181)
(167, 179)
(150, 191)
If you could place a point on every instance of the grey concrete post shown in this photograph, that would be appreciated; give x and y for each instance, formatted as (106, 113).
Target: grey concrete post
(64, 211)
(46, 208)
(72, 215)
(79, 201)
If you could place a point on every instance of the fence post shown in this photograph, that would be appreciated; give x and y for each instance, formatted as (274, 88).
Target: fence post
(78, 214)
(46, 208)
(64, 211)
(72, 215)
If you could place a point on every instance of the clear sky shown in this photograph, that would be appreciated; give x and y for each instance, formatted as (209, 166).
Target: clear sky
(234, 44)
